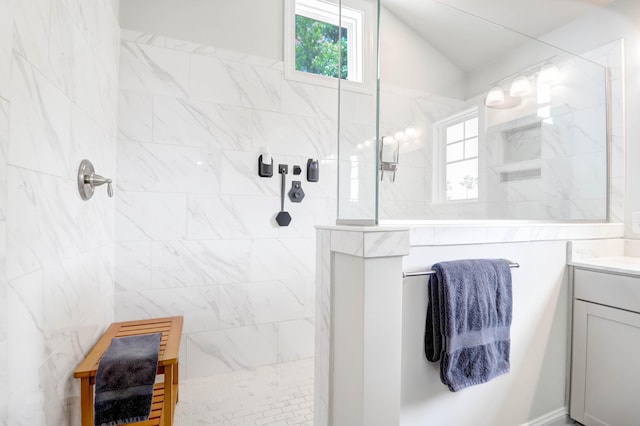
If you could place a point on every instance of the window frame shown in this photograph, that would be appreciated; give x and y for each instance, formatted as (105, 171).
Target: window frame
(440, 173)
(358, 19)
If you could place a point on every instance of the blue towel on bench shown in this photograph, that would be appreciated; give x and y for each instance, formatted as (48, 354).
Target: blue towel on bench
(468, 321)
(125, 378)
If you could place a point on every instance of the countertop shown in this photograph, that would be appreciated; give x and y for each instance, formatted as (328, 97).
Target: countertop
(618, 264)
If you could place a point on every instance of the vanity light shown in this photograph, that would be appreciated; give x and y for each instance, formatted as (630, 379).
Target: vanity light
(410, 132)
(399, 135)
(549, 74)
(521, 86)
(495, 97)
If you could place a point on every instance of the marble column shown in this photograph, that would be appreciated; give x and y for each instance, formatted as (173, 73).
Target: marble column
(359, 325)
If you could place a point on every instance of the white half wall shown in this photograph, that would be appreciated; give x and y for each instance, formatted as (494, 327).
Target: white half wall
(536, 386)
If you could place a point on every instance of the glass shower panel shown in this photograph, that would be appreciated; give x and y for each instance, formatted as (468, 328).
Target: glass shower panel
(489, 123)
(357, 158)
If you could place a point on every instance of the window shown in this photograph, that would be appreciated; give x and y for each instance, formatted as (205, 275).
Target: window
(321, 45)
(321, 48)
(460, 146)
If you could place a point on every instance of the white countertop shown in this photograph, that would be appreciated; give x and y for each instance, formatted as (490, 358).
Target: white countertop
(620, 264)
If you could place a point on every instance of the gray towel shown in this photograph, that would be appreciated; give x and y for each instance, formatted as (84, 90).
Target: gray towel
(125, 378)
(469, 320)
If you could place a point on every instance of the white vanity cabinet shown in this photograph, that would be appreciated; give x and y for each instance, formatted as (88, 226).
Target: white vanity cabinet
(605, 369)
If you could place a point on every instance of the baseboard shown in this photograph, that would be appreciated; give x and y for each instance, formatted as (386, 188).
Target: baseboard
(559, 417)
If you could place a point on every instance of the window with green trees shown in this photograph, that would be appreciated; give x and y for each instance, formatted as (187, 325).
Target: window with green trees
(327, 42)
(321, 48)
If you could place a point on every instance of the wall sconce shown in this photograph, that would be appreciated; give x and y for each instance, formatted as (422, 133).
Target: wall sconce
(521, 86)
(544, 76)
(494, 97)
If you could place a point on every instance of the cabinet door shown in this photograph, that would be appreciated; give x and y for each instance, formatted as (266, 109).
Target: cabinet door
(605, 374)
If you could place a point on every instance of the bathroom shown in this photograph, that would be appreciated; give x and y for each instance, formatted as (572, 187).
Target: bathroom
(175, 101)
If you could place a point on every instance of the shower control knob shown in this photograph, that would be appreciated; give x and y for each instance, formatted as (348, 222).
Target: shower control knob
(88, 180)
(296, 194)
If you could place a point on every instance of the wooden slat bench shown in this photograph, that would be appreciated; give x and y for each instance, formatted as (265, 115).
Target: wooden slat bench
(165, 394)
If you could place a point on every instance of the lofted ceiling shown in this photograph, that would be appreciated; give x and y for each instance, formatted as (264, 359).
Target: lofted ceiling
(471, 32)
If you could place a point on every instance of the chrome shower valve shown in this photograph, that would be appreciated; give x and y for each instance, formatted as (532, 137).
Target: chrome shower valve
(88, 180)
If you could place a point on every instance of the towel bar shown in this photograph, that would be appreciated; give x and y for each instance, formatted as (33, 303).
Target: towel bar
(431, 272)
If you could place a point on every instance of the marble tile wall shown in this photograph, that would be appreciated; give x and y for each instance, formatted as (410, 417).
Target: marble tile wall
(195, 227)
(611, 55)
(4, 371)
(568, 188)
(572, 181)
(400, 109)
(357, 180)
(6, 23)
(58, 100)
(322, 365)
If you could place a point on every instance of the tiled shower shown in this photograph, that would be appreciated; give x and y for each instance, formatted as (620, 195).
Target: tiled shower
(190, 230)
(195, 230)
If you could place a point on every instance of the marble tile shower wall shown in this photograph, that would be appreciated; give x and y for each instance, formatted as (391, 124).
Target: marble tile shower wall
(611, 56)
(400, 108)
(6, 23)
(195, 225)
(571, 151)
(58, 100)
(573, 178)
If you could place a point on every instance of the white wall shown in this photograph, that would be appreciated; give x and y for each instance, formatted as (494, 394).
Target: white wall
(115, 6)
(535, 386)
(250, 26)
(58, 88)
(407, 60)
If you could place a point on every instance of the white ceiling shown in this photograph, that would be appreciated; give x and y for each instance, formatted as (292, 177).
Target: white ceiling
(466, 32)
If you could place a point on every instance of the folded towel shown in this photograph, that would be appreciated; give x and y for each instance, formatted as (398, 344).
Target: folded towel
(125, 378)
(468, 321)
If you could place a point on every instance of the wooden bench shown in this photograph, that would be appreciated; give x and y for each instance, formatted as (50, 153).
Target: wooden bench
(165, 394)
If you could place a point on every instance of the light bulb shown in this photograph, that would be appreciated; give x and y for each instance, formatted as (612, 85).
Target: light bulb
(495, 97)
(410, 131)
(549, 74)
(521, 86)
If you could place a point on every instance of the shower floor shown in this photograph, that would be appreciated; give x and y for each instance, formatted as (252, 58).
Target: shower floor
(275, 395)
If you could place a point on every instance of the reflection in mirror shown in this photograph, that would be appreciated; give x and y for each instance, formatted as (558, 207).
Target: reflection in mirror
(504, 126)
